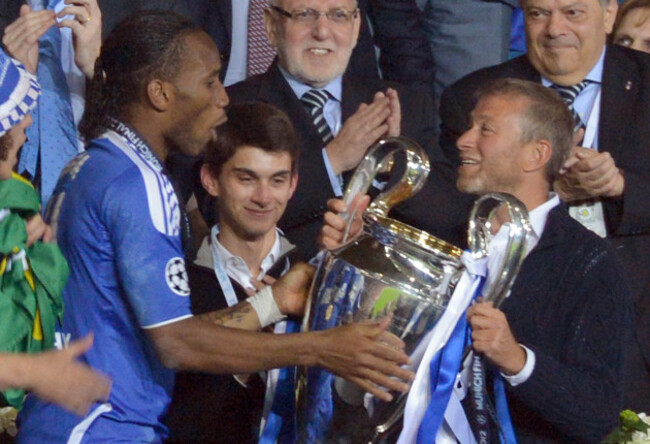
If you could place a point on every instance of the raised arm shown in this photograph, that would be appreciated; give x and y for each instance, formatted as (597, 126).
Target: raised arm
(84, 18)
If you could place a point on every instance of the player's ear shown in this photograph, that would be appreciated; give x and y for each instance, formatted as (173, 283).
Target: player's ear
(209, 180)
(160, 94)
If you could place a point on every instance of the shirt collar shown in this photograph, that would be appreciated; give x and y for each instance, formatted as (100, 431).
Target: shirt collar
(236, 267)
(335, 87)
(539, 214)
(594, 76)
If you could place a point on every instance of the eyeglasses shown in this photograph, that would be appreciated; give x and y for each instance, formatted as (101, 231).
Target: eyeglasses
(339, 16)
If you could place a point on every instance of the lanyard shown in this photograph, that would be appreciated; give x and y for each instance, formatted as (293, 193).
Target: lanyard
(222, 276)
(135, 142)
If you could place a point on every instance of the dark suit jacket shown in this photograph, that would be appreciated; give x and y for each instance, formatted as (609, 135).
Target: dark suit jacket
(568, 306)
(624, 132)
(303, 217)
(405, 56)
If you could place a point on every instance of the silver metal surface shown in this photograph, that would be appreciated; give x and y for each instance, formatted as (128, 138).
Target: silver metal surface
(390, 269)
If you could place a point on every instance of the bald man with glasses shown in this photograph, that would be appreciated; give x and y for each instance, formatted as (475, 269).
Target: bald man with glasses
(338, 115)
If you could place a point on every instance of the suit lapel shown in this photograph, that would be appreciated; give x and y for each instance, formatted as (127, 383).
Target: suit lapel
(357, 91)
(225, 9)
(621, 82)
(554, 229)
(522, 68)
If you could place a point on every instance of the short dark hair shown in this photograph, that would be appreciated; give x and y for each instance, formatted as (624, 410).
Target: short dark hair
(259, 125)
(144, 46)
(547, 117)
(5, 143)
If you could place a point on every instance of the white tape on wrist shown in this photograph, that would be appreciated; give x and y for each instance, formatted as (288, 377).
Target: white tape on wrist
(264, 305)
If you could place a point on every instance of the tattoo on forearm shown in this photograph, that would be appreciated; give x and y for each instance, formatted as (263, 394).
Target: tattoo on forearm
(238, 316)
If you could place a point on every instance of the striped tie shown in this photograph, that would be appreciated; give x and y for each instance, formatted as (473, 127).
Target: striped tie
(569, 94)
(314, 100)
(260, 52)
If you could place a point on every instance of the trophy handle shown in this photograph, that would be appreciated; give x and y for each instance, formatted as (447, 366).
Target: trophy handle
(478, 236)
(380, 156)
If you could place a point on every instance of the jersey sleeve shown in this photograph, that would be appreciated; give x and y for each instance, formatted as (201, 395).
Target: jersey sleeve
(142, 213)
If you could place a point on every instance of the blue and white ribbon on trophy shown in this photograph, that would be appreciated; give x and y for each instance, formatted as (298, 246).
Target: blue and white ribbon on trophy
(279, 423)
(433, 411)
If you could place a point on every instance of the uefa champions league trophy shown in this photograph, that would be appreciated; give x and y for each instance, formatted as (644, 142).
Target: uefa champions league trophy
(390, 269)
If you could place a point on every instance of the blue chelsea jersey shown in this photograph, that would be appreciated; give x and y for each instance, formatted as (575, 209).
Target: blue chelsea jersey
(117, 221)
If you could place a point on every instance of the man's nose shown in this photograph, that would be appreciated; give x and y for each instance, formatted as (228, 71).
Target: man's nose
(322, 28)
(467, 140)
(262, 194)
(556, 24)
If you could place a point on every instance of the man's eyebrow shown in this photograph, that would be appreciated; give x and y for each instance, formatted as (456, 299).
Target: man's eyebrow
(248, 171)
(243, 170)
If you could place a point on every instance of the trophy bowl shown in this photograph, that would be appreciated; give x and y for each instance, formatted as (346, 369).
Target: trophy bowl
(389, 270)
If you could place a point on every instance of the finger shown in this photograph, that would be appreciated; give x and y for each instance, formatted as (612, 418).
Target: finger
(371, 388)
(592, 160)
(372, 111)
(334, 221)
(258, 285)
(268, 280)
(91, 4)
(481, 306)
(598, 172)
(24, 10)
(395, 118)
(73, 25)
(337, 205)
(391, 93)
(378, 385)
(384, 355)
(331, 238)
(392, 341)
(616, 187)
(375, 115)
(378, 132)
(604, 182)
(379, 95)
(29, 28)
(80, 346)
(386, 373)
(479, 322)
(578, 136)
(29, 18)
(569, 163)
(584, 153)
(81, 13)
(363, 204)
(48, 235)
